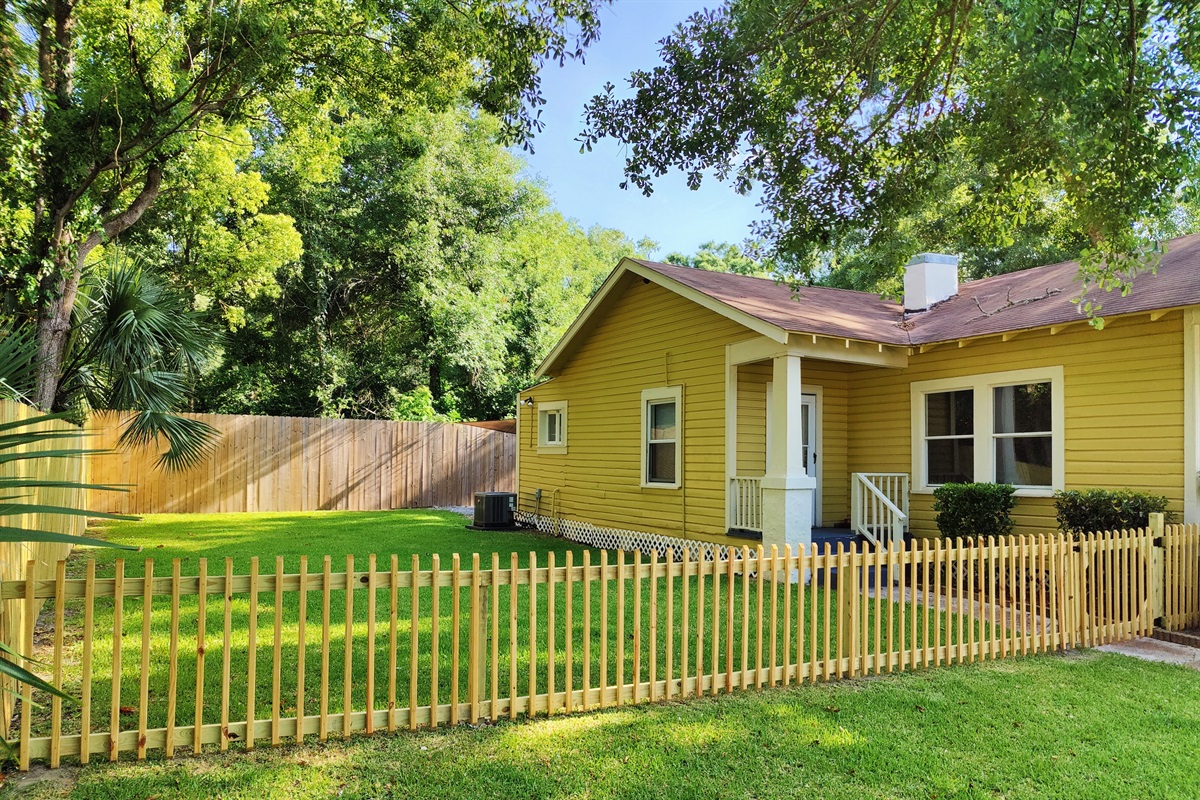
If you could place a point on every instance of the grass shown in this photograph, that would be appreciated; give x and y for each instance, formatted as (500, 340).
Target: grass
(243, 536)
(1084, 725)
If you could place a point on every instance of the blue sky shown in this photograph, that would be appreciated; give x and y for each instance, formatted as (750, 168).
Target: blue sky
(585, 185)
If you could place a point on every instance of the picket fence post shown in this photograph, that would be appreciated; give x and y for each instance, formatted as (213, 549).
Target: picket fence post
(1158, 577)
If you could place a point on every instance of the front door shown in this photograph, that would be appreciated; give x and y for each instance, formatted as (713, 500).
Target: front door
(810, 438)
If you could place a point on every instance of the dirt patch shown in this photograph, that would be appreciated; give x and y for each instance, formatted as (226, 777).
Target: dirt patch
(41, 782)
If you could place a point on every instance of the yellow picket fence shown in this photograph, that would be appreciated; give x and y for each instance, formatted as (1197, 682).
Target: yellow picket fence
(171, 661)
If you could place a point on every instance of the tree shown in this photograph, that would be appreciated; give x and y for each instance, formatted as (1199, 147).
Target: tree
(430, 269)
(847, 114)
(112, 93)
(723, 257)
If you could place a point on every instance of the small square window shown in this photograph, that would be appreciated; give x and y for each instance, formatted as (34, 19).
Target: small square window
(552, 424)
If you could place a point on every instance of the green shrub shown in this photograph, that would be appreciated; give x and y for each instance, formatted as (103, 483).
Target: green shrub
(1090, 510)
(973, 509)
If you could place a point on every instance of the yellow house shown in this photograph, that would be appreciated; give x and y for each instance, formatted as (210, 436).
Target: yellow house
(708, 407)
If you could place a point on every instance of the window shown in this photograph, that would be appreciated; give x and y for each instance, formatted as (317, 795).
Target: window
(1024, 435)
(1004, 427)
(661, 442)
(552, 426)
(950, 437)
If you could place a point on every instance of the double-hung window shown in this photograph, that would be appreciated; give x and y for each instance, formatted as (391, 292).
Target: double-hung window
(552, 426)
(1004, 427)
(662, 451)
(950, 436)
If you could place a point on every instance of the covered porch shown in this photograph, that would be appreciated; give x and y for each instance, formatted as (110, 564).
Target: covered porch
(788, 428)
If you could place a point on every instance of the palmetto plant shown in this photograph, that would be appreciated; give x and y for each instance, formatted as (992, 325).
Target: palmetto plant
(135, 345)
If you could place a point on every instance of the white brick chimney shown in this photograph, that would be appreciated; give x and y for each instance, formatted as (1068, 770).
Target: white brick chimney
(929, 278)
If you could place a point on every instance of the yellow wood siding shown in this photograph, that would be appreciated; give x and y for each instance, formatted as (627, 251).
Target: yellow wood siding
(1123, 397)
(752, 418)
(651, 338)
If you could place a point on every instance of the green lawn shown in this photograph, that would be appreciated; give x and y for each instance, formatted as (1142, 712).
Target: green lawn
(336, 533)
(242, 536)
(1079, 726)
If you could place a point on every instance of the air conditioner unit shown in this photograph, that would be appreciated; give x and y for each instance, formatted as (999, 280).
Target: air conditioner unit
(494, 510)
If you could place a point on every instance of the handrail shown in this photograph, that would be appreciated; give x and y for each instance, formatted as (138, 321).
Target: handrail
(873, 512)
(745, 503)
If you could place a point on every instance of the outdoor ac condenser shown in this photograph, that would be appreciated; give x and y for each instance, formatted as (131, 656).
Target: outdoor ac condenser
(494, 510)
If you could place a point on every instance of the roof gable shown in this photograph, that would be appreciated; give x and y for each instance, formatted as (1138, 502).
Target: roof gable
(610, 292)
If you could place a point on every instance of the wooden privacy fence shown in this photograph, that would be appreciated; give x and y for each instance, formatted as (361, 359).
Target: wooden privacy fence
(14, 556)
(174, 661)
(302, 464)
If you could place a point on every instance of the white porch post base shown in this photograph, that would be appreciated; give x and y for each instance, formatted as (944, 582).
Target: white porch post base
(787, 508)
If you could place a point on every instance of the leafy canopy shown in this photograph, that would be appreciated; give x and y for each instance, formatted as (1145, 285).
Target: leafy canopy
(433, 277)
(849, 116)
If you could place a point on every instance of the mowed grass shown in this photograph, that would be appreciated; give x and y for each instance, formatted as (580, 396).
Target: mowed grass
(1083, 725)
(216, 537)
(243, 536)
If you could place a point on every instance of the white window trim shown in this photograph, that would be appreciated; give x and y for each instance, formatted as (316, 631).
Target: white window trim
(985, 440)
(555, 406)
(649, 396)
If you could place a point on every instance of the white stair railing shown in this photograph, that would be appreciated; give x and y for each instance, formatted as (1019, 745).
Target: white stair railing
(879, 506)
(745, 504)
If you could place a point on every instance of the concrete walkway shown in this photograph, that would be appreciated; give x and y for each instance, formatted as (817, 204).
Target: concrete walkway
(1149, 649)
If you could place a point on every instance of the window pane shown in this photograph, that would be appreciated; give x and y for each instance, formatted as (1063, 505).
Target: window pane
(552, 427)
(661, 468)
(1023, 409)
(950, 413)
(951, 461)
(1025, 461)
(662, 421)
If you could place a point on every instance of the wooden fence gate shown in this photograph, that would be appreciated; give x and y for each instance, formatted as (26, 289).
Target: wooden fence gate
(168, 660)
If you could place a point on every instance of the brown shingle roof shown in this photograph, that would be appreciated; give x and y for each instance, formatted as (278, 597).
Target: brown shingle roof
(812, 309)
(1030, 298)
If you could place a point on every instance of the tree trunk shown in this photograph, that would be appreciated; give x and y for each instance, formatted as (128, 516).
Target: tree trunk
(60, 289)
(54, 324)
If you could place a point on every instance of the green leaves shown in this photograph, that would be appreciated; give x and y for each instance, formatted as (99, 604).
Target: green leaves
(433, 280)
(865, 123)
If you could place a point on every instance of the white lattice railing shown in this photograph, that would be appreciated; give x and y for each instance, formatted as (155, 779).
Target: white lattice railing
(879, 505)
(745, 504)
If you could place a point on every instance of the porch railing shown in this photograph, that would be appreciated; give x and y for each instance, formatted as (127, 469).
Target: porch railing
(879, 505)
(745, 504)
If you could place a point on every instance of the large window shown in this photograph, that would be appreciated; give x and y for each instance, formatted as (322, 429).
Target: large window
(552, 426)
(1004, 427)
(1023, 431)
(662, 414)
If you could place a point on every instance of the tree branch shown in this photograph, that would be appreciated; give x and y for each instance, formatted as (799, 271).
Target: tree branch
(116, 225)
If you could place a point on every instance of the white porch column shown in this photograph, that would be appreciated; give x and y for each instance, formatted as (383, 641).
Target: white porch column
(787, 490)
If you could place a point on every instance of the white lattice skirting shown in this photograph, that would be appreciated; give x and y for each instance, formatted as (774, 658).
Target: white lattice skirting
(616, 539)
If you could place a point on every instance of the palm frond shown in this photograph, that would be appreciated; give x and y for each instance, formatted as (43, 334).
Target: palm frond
(18, 364)
(189, 441)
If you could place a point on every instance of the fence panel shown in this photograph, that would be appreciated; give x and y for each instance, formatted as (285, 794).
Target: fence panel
(1181, 570)
(307, 652)
(297, 464)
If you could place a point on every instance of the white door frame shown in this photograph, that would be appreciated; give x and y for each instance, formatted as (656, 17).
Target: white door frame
(813, 397)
